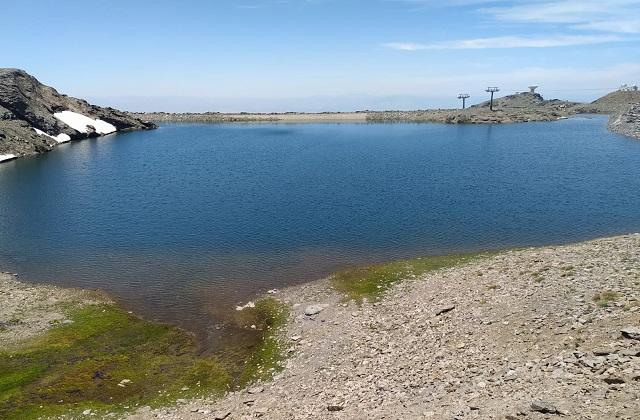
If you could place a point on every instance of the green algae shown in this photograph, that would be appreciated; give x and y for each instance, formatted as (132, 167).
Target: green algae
(370, 282)
(267, 316)
(106, 359)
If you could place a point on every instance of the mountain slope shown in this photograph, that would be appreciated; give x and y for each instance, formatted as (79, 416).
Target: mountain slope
(34, 117)
(611, 103)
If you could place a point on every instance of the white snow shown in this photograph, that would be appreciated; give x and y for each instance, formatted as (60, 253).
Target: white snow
(60, 138)
(80, 122)
(7, 157)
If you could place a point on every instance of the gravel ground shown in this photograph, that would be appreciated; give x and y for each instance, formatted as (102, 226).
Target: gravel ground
(527, 334)
(27, 310)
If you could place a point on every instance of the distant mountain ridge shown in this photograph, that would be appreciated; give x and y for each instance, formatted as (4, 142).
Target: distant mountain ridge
(34, 118)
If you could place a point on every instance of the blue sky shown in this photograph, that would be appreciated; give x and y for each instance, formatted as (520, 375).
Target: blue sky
(318, 55)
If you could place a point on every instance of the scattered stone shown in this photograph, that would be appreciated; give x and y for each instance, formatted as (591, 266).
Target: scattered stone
(632, 333)
(123, 383)
(613, 380)
(445, 309)
(313, 310)
(255, 390)
(543, 407)
(335, 408)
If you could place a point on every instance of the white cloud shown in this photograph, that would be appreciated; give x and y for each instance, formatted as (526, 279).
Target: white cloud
(507, 42)
(599, 15)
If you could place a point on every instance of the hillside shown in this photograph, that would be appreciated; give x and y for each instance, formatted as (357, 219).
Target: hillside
(612, 103)
(526, 100)
(34, 118)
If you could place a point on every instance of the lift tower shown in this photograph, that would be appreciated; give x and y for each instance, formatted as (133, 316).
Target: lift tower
(492, 90)
(464, 97)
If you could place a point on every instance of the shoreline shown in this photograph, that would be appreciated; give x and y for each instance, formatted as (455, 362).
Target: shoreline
(445, 116)
(311, 341)
(527, 332)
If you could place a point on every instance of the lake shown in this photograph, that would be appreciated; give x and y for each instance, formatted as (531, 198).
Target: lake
(182, 223)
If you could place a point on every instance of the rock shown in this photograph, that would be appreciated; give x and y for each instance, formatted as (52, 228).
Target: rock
(255, 390)
(445, 309)
(335, 408)
(222, 416)
(603, 352)
(543, 407)
(313, 310)
(26, 104)
(613, 380)
(630, 352)
(632, 333)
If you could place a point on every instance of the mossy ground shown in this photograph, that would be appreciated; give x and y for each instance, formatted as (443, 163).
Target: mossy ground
(267, 316)
(82, 364)
(371, 282)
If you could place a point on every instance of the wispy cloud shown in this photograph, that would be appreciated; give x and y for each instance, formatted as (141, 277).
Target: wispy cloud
(507, 42)
(599, 15)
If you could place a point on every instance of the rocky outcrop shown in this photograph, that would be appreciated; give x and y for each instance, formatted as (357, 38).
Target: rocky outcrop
(34, 117)
(627, 122)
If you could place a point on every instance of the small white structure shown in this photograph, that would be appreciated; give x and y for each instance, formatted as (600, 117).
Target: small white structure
(532, 89)
(628, 88)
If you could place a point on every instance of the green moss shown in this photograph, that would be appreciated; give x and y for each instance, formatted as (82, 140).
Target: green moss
(82, 365)
(267, 316)
(372, 281)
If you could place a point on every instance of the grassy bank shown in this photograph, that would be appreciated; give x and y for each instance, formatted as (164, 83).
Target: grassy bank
(108, 360)
(372, 281)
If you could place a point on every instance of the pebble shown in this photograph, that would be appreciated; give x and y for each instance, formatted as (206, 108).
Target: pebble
(313, 310)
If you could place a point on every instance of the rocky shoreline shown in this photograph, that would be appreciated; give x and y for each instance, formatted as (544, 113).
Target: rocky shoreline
(627, 122)
(526, 334)
(35, 118)
(522, 334)
(521, 107)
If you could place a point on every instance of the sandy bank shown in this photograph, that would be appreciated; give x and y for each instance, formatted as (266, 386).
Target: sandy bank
(530, 333)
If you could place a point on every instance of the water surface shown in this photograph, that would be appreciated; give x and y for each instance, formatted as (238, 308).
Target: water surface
(183, 222)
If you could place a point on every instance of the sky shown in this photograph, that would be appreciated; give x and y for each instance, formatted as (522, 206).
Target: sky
(320, 55)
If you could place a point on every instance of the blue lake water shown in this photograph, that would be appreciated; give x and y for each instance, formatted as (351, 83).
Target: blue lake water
(183, 222)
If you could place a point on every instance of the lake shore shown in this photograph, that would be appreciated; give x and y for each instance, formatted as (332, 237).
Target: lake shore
(516, 333)
(521, 334)
(445, 116)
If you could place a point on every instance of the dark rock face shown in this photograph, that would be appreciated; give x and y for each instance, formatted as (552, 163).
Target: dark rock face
(25, 104)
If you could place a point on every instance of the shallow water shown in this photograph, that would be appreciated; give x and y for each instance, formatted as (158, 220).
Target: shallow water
(184, 222)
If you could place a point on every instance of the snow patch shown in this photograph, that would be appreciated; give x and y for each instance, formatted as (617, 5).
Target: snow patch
(7, 157)
(80, 122)
(60, 138)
